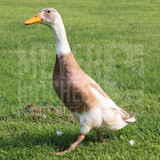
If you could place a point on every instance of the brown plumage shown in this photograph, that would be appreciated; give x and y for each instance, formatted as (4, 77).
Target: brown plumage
(72, 85)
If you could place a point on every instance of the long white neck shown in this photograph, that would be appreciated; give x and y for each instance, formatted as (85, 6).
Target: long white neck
(62, 46)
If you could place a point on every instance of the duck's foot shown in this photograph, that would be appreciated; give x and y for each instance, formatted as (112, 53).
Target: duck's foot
(101, 138)
(73, 146)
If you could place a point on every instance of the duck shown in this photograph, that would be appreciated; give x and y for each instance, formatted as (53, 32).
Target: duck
(87, 101)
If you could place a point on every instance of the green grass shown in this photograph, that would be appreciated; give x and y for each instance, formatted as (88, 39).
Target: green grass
(116, 43)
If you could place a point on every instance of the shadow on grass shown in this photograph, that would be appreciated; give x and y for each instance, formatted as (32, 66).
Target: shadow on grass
(59, 143)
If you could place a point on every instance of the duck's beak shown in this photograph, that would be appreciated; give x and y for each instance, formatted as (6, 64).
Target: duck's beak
(34, 20)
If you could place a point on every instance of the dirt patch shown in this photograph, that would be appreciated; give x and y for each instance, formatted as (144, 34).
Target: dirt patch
(32, 112)
(31, 108)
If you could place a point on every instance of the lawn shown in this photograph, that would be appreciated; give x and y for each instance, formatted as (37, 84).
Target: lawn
(116, 42)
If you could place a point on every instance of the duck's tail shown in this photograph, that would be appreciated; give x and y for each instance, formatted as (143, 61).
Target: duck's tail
(130, 120)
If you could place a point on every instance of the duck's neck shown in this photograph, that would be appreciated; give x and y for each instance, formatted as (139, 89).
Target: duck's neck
(62, 46)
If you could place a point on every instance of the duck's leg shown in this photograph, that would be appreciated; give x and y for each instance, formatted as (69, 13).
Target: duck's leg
(101, 138)
(73, 146)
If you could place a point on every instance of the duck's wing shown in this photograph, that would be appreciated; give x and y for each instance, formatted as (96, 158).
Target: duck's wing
(94, 84)
(109, 103)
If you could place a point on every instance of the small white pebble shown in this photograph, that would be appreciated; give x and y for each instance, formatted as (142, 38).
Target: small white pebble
(131, 142)
(59, 133)
(44, 116)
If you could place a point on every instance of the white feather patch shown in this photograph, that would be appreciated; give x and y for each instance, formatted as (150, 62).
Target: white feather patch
(59, 133)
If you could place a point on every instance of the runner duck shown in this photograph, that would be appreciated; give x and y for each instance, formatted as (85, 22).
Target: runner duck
(79, 93)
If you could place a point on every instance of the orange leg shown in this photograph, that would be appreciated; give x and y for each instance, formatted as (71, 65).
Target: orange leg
(101, 138)
(73, 146)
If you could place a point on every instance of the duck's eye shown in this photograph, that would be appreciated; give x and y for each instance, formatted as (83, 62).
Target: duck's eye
(48, 11)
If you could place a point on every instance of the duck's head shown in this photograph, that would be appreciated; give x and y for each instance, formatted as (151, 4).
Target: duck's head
(52, 18)
(47, 16)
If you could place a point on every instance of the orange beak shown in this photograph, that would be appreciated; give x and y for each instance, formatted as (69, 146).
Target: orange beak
(34, 20)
